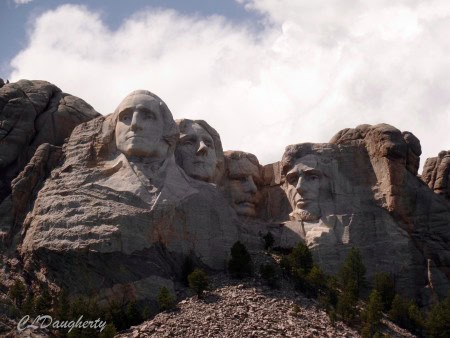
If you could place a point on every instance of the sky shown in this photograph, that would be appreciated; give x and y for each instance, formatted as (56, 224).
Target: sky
(263, 73)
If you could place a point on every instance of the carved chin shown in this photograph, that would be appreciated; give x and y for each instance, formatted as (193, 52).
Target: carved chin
(304, 215)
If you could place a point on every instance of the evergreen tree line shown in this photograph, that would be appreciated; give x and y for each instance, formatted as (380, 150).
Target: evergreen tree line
(340, 295)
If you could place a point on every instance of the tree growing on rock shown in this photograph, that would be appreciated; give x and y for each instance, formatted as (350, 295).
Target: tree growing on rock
(198, 281)
(166, 300)
(268, 241)
(18, 293)
(240, 263)
(385, 286)
(352, 273)
(372, 314)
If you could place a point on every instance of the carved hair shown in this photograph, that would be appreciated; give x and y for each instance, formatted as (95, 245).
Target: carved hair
(295, 151)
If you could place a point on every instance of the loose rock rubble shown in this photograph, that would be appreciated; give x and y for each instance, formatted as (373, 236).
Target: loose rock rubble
(243, 310)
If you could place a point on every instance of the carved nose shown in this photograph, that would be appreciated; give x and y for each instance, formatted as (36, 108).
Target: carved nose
(202, 149)
(134, 122)
(300, 186)
(251, 186)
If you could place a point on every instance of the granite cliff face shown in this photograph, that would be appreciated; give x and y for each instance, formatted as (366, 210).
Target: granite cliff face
(32, 113)
(436, 173)
(130, 195)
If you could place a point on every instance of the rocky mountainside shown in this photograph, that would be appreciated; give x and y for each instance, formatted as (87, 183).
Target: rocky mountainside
(113, 205)
(248, 309)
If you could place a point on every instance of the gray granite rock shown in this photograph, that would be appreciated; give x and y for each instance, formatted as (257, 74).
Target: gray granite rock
(436, 173)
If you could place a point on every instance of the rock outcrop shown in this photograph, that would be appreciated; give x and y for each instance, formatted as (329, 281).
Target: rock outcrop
(436, 173)
(118, 209)
(362, 190)
(118, 216)
(32, 113)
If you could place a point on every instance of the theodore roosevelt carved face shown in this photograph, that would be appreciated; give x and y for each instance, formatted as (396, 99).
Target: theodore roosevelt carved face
(243, 175)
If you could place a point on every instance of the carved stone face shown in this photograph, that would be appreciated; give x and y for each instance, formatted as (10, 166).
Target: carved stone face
(16, 127)
(196, 153)
(303, 188)
(243, 175)
(140, 126)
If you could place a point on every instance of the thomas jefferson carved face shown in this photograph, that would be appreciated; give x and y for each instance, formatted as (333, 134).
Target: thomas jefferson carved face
(16, 128)
(140, 126)
(243, 175)
(303, 188)
(196, 153)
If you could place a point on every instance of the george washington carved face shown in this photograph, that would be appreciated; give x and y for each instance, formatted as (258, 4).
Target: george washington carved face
(140, 127)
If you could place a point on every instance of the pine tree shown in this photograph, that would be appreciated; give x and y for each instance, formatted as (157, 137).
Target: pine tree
(109, 331)
(385, 286)
(43, 302)
(18, 293)
(438, 322)
(240, 263)
(352, 273)
(165, 299)
(269, 273)
(198, 281)
(268, 241)
(301, 258)
(372, 314)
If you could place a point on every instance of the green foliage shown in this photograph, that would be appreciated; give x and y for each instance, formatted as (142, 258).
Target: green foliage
(352, 273)
(240, 263)
(28, 305)
(298, 264)
(18, 292)
(438, 322)
(186, 269)
(346, 306)
(43, 302)
(296, 310)
(301, 258)
(109, 331)
(268, 241)
(406, 314)
(166, 300)
(269, 273)
(198, 281)
(372, 314)
(385, 286)
(316, 281)
(133, 315)
(146, 313)
(62, 308)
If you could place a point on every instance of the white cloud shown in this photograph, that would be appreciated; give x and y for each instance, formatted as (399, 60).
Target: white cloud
(315, 68)
(22, 2)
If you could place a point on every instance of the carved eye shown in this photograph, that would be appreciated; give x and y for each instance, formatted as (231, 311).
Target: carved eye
(125, 117)
(292, 178)
(150, 115)
(188, 142)
(313, 177)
